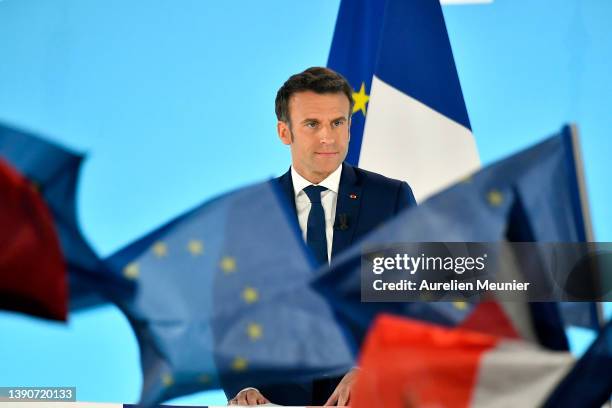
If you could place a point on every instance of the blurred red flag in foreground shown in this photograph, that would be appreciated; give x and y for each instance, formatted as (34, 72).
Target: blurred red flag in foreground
(32, 269)
(408, 363)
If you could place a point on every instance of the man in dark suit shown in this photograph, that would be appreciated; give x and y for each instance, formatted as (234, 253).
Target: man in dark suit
(335, 203)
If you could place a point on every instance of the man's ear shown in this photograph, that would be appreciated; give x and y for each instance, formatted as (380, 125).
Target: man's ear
(284, 133)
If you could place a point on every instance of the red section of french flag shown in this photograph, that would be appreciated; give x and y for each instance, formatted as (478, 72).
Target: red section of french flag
(32, 268)
(408, 363)
(489, 317)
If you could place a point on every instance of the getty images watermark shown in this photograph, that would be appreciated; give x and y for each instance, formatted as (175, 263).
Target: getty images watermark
(37, 394)
(468, 271)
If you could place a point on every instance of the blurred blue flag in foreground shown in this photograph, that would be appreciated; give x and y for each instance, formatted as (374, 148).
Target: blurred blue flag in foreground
(54, 171)
(534, 195)
(223, 300)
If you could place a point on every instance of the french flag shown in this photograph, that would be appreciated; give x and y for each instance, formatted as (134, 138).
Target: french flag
(409, 120)
(409, 363)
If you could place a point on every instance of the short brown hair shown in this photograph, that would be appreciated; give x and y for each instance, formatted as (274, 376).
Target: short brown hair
(316, 79)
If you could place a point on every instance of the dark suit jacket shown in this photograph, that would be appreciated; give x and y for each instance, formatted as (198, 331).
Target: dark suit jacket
(365, 200)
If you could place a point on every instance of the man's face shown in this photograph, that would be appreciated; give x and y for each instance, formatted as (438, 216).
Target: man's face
(319, 133)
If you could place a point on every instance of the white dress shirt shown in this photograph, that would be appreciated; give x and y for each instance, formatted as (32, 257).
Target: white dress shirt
(329, 198)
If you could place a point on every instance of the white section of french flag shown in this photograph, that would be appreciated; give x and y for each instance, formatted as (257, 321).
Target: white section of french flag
(407, 140)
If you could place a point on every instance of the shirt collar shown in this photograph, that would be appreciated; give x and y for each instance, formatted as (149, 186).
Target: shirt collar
(331, 182)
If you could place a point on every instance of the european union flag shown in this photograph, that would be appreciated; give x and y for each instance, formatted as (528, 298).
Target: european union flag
(535, 195)
(54, 171)
(223, 300)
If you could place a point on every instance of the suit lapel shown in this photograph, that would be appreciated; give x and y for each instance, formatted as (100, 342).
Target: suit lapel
(347, 210)
(286, 184)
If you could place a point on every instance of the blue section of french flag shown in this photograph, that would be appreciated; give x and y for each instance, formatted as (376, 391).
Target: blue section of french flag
(416, 126)
(353, 54)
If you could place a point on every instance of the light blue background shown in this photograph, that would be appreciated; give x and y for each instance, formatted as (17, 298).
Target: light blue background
(173, 103)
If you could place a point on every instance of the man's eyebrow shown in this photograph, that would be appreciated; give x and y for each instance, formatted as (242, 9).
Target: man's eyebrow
(317, 120)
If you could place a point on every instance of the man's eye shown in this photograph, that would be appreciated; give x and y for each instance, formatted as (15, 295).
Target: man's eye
(311, 125)
(338, 123)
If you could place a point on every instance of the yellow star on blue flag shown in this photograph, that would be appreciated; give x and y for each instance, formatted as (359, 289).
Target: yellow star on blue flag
(361, 99)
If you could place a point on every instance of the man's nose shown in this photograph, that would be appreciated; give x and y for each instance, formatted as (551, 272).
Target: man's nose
(326, 135)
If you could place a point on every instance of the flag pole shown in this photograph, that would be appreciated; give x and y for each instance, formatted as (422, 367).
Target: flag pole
(584, 203)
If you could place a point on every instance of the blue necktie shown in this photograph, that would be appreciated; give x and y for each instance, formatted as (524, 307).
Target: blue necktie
(315, 233)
